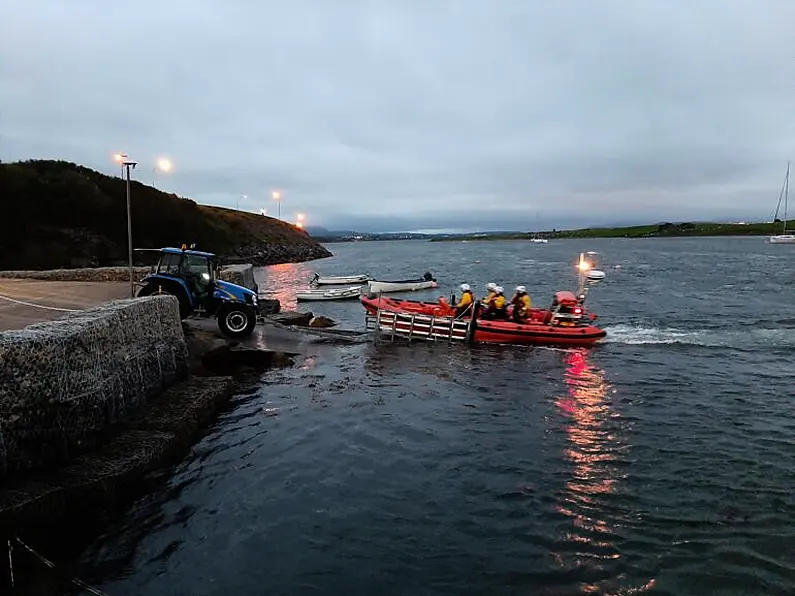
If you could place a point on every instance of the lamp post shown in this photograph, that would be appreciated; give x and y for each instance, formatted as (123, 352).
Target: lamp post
(126, 164)
(277, 196)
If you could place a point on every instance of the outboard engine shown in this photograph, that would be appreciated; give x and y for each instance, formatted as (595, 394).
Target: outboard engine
(428, 276)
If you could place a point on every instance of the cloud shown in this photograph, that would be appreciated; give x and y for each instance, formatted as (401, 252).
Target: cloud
(415, 112)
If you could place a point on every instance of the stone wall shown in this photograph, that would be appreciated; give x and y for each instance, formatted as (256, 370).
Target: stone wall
(84, 274)
(242, 274)
(64, 383)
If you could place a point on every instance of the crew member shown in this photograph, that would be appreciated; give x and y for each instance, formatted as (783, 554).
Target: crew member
(466, 302)
(490, 293)
(521, 304)
(496, 306)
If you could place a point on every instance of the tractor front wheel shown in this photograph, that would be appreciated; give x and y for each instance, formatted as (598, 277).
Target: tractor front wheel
(236, 320)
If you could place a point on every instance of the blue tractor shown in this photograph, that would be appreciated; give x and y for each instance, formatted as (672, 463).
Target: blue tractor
(192, 277)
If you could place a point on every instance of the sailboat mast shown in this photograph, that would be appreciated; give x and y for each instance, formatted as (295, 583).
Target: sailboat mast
(786, 194)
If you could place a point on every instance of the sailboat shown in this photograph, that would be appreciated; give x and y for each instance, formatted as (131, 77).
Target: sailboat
(535, 237)
(784, 237)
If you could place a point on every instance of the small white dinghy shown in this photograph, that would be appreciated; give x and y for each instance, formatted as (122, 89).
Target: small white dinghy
(329, 294)
(411, 285)
(317, 280)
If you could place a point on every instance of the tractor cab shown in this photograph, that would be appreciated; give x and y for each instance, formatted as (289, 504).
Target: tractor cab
(192, 277)
(199, 270)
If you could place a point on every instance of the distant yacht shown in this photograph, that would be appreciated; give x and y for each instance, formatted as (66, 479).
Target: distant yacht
(536, 238)
(784, 237)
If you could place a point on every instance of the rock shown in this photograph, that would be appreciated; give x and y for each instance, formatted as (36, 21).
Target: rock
(293, 318)
(321, 322)
(269, 306)
(227, 359)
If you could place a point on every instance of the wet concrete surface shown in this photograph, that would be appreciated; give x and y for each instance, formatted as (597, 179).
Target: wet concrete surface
(49, 297)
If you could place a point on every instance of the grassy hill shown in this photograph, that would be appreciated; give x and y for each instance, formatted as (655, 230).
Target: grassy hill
(58, 214)
(646, 231)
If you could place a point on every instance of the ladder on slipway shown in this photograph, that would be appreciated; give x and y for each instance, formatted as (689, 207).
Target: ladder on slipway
(417, 326)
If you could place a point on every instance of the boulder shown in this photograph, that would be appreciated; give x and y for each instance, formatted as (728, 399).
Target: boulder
(321, 322)
(228, 359)
(269, 307)
(293, 318)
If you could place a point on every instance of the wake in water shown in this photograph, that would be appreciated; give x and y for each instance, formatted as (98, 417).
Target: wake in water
(750, 339)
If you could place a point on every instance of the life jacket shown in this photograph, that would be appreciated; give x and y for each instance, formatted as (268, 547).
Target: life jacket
(489, 297)
(466, 299)
(498, 302)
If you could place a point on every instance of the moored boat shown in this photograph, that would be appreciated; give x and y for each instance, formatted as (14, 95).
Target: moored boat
(329, 294)
(340, 280)
(786, 237)
(427, 282)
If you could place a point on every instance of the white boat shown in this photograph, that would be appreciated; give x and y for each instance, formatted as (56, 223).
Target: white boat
(341, 280)
(784, 237)
(536, 238)
(407, 285)
(329, 294)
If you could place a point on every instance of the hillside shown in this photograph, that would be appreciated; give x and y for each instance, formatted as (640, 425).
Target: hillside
(663, 230)
(58, 214)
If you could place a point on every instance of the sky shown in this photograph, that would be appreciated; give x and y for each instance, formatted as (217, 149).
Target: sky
(416, 114)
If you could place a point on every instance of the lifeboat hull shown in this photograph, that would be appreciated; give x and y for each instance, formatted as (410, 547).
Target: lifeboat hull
(508, 332)
(534, 332)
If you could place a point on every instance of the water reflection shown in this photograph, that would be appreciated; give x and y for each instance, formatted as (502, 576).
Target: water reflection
(594, 449)
(281, 281)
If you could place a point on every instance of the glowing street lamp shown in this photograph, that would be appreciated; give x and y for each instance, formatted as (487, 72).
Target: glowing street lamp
(163, 164)
(277, 196)
(119, 159)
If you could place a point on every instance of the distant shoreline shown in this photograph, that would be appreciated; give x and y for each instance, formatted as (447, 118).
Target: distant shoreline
(664, 230)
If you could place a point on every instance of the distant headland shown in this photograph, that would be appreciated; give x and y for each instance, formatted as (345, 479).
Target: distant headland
(659, 230)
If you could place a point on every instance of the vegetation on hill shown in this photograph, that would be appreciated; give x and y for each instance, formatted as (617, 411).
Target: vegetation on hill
(648, 231)
(58, 214)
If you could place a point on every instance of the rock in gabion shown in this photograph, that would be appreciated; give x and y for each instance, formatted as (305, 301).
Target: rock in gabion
(64, 383)
(242, 275)
(82, 274)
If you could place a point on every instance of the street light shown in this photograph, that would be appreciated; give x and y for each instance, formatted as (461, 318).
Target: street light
(277, 196)
(126, 164)
(119, 159)
(163, 164)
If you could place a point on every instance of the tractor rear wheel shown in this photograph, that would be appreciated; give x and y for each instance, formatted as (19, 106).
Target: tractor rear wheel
(154, 289)
(236, 320)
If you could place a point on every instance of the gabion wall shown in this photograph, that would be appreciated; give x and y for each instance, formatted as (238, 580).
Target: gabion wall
(65, 382)
(242, 275)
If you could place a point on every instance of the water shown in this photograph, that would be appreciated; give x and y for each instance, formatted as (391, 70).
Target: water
(660, 462)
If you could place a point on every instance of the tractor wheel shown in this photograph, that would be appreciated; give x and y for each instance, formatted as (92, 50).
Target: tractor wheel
(236, 320)
(153, 289)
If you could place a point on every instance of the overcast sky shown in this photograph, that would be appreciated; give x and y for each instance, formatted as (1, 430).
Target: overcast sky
(405, 114)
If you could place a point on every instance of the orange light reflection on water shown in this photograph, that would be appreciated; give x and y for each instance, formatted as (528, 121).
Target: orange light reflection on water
(280, 282)
(592, 450)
